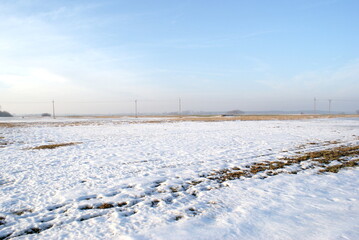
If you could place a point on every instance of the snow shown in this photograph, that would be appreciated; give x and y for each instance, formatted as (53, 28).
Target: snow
(149, 167)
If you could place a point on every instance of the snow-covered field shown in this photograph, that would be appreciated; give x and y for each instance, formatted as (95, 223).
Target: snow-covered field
(122, 180)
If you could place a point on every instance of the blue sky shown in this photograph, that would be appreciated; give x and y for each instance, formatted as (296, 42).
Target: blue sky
(99, 56)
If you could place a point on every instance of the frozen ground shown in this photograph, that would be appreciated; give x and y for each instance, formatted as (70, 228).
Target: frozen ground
(124, 180)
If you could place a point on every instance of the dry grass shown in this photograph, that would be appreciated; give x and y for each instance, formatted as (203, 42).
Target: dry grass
(160, 119)
(326, 156)
(49, 124)
(10, 125)
(52, 146)
(338, 167)
(228, 174)
(105, 206)
(219, 118)
(86, 207)
(256, 117)
(345, 155)
(22, 212)
(121, 204)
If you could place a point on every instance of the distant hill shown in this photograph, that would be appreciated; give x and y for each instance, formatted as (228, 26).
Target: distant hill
(5, 114)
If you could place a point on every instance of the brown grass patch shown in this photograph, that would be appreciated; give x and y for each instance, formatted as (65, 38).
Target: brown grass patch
(253, 117)
(214, 118)
(22, 212)
(52, 146)
(229, 174)
(338, 167)
(163, 118)
(121, 204)
(9, 125)
(319, 159)
(86, 207)
(195, 182)
(326, 156)
(174, 188)
(102, 206)
(259, 167)
(105, 206)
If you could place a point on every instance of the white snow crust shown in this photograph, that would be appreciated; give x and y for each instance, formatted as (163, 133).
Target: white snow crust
(148, 167)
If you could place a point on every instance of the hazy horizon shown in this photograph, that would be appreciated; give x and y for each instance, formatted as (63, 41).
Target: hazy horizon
(98, 57)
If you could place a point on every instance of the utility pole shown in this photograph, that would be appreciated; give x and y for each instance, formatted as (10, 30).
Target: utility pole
(315, 106)
(179, 107)
(330, 103)
(136, 109)
(53, 109)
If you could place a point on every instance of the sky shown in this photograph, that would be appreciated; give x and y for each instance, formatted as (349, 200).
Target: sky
(100, 56)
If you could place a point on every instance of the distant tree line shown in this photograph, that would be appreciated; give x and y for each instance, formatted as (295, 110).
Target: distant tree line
(5, 114)
(233, 113)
